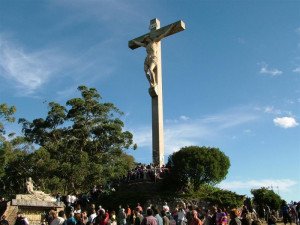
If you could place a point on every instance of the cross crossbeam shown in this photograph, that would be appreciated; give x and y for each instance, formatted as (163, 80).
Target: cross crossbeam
(178, 26)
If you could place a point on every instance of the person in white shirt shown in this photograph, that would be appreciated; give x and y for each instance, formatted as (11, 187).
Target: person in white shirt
(73, 199)
(92, 216)
(181, 216)
(58, 218)
(68, 200)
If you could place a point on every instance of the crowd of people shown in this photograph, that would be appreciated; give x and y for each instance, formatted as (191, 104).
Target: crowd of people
(146, 172)
(81, 210)
(291, 212)
(75, 214)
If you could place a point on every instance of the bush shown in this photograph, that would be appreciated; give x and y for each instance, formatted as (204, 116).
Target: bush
(263, 196)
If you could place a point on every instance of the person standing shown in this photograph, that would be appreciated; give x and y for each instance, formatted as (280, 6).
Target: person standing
(112, 218)
(234, 220)
(149, 219)
(285, 210)
(181, 216)
(57, 218)
(92, 216)
(165, 218)
(208, 220)
(121, 216)
(157, 216)
(194, 220)
(272, 218)
(138, 217)
(166, 208)
(298, 213)
(214, 212)
(3, 205)
(246, 218)
(128, 215)
(221, 217)
(139, 208)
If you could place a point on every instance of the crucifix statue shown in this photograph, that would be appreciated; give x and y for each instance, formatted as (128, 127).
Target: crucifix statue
(152, 68)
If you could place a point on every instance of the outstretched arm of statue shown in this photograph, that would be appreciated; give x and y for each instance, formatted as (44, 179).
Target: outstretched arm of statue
(165, 33)
(139, 43)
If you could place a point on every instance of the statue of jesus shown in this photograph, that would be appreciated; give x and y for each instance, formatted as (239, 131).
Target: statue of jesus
(37, 194)
(151, 61)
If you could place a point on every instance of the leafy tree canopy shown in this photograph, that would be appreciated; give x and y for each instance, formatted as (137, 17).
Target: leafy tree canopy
(81, 144)
(6, 115)
(12, 151)
(216, 196)
(264, 196)
(193, 166)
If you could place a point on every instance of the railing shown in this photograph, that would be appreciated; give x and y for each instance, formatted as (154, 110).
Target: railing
(151, 174)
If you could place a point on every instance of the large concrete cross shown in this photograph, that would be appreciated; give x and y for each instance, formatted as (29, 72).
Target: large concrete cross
(152, 67)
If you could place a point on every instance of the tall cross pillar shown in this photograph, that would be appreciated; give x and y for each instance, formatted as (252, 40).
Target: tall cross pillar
(158, 147)
(153, 71)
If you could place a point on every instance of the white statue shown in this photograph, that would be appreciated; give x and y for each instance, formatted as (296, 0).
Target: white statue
(29, 185)
(37, 194)
(151, 61)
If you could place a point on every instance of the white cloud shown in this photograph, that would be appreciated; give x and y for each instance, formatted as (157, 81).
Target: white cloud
(285, 122)
(177, 120)
(270, 71)
(229, 119)
(272, 110)
(28, 70)
(179, 132)
(281, 184)
(184, 134)
(185, 118)
(297, 70)
(291, 102)
(142, 136)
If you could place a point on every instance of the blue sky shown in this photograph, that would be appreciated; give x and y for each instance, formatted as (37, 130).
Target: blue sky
(231, 80)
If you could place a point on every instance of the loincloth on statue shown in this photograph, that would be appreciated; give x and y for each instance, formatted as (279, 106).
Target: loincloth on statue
(151, 60)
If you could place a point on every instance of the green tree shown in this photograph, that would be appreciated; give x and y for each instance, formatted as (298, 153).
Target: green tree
(13, 152)
(6, 153)
(16, 170)
(82, 144)
(193, 166)
(216, 196)
(264, 196)
(6, 115)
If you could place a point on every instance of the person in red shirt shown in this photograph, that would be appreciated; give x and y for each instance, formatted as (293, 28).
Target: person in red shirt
(149, 219)
(128, 214)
